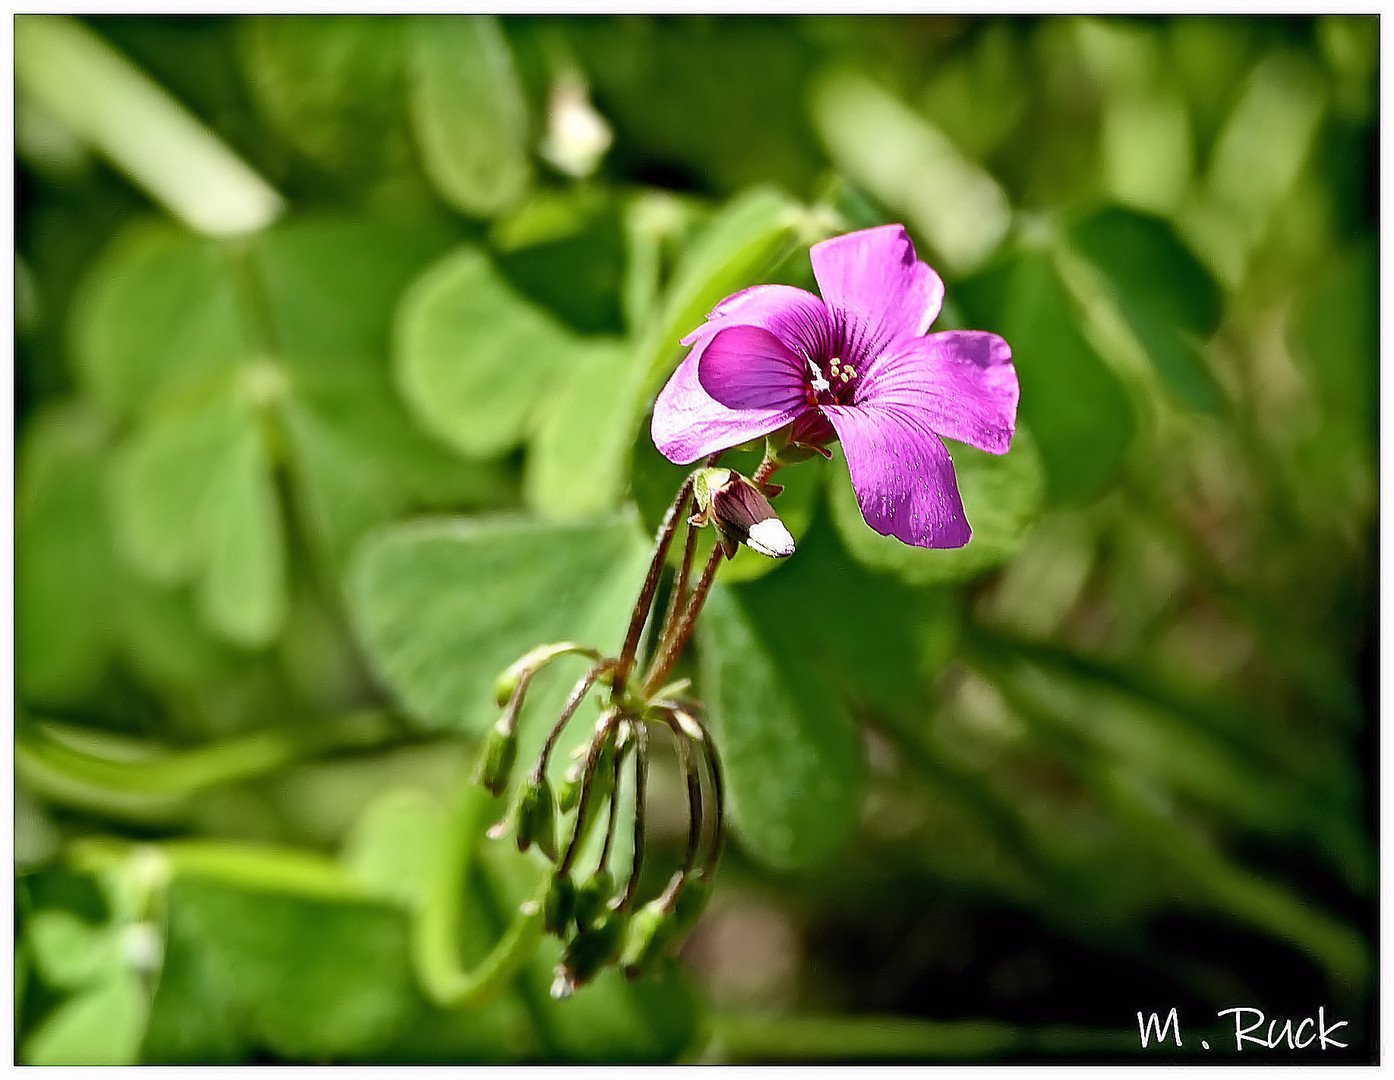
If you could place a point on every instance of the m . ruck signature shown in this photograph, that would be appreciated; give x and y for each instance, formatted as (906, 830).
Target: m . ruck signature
(1311, 1032)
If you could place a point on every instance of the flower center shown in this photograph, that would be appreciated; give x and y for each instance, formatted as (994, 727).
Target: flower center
(836, 387)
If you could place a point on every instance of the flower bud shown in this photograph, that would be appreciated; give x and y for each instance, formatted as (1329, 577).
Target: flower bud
(569, 793)
(559, 905)
(496, 762)
(590, 951)
(742, 513)
(536, 818)
(651, 932)
(592, 897)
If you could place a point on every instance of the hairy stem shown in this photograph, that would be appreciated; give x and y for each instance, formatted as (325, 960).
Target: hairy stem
(641, 608)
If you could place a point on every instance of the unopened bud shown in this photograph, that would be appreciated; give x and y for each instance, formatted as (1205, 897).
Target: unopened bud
(590, 951)
(651, 931)
(532, 661)
(569, 792)
(537, 819)
(741, 512)
(496, 762)
(559, 905)
(592, 898)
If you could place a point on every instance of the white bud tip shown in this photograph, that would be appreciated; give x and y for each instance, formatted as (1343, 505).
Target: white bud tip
(770, 537)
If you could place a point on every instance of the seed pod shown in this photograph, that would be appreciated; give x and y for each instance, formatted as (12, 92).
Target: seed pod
(559, 905)
(496, 762)
(537, 819)
(651, 932)
(588, 953)
(592, 897)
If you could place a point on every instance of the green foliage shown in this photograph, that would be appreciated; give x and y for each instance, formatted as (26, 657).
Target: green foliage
(794, 785)
(309, 450)
(444, 606)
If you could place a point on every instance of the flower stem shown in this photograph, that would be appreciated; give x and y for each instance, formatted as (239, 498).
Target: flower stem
(682, 630)
(573, 847)
(662, 541)
(694, 805)
(641, 767)
(578, 694)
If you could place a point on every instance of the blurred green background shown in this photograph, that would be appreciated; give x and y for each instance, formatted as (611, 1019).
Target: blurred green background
(336, 339)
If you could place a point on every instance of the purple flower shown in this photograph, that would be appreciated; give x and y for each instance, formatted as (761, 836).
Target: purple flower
(858, 366)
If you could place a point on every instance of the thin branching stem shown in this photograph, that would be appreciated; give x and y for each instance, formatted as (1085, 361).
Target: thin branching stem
(693, 773)
(604, 730)
(641, 767)
(702, 737)
(673, 647)
(578, 694)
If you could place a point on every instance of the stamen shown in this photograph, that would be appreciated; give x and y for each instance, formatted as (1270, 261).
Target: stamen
(819, 383)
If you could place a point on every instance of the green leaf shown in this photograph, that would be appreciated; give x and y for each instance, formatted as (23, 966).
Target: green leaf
(305, 978)
(192, 499)
(1076, 407)
(321, 82)
(581, 455)
(1167, 295)
(394, 846)
(443, 606)
(113, 106)
(1339, 334)
(243, 593)
(63, 562)
(793, 759)
(1002, 497)
(910, 166)
(158, 313)
(332, 283)
(865, 638)
(69, 952)
(160, 489)
(473, 359)
(100, 1026)
(577, 458)
(469, 113)
(746, 239)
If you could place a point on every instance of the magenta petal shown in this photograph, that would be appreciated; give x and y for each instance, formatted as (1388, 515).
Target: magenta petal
(747, 367)
(873, 279)
(688, 424)
(961, 384)
(761, 305)
(902, 474)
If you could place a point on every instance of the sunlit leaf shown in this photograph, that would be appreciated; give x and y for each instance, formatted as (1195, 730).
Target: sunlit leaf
(444, 606)
(911, 167)
(192, 499)
(468, 112)
(100, 1026)
(158, 312)
(475, 360)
